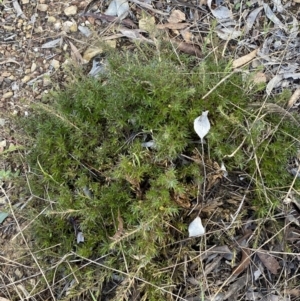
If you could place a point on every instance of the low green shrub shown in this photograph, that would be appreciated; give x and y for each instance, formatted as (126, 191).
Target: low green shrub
(90, 165)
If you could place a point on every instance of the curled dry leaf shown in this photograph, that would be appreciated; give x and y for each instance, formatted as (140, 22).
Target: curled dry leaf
(176, 16)
(294, 98)
(244, 262)
(75, 54)
(244, 59)
(188, 48)
(269, 262)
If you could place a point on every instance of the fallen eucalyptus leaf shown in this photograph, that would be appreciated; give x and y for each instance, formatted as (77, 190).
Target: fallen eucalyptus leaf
(3, 216)
(272, 17)
(196, 228)
(118, 8)
(53, 43)
(244, 59)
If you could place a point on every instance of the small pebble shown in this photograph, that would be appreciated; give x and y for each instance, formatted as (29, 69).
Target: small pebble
(8, 94)
(71, 10)
(25, 79)
(42, 7)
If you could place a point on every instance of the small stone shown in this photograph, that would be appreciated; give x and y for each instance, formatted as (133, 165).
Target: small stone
(8, 94)
(25, 1)
(51, 19)
(5, 74)
(55, 64)
(42, 7)
(46, 82)
(71, 10)
(73, 27)
(8, 28)
(66, 26)
(25, 79)
(33, 67)
(57, 25)
(38, 29)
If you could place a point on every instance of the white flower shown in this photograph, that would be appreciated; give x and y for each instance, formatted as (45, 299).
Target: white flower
(202, 125)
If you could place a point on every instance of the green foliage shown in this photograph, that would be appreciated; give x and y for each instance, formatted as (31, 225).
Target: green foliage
(88, 137)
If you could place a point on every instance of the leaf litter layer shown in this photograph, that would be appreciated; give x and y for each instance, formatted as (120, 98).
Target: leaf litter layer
(119, 173)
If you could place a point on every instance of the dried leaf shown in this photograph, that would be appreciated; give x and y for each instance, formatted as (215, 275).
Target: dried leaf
(271, 16)
(3, 216)
(53, 43)
(134, 34)
(273, 83)
(211, 266)
(187, 35)
(18, 9)
(235, 287)
(228, 33)
(97, 49)
(221, 12)
(269, 262)
(196, 228)
(188, 48)
(75, 54)
(244, 262)
(294, 291)
(118, 8)
(202, 125)
(251, 18)
(173, 26)
(148, 6)
(176, 16)
(244, 59)
(294, 98)
(222, 250)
